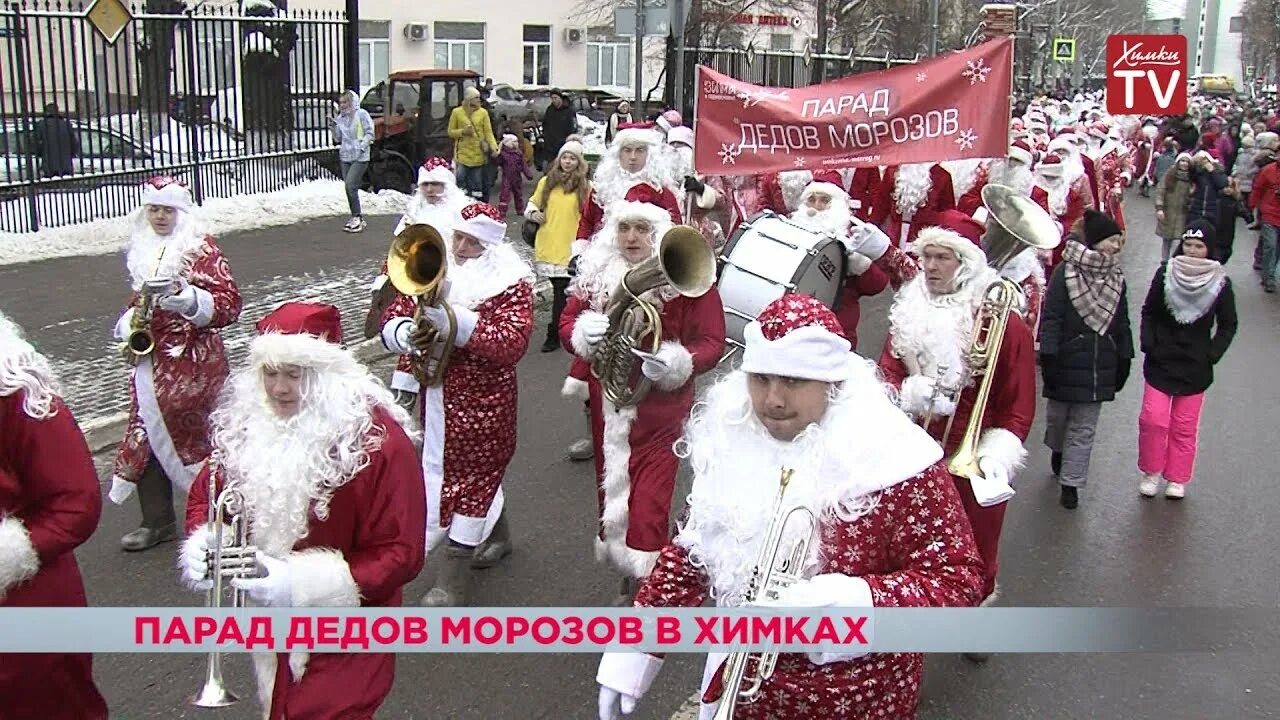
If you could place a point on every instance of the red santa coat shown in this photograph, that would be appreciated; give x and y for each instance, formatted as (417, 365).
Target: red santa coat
(49, 506)
(941, 196)
(971, 200)
(1010, 411)
(376, 522)
(173, 390)
(869, 188)
(906, 563)
(871, 282)
(1111, 167)
(469, 420)
(747, 197)
(1076, 205)
(593, 215)
(635, 464)
(1091, 178)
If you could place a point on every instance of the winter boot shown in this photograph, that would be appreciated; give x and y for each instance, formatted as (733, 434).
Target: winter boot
(988, 601)
(454, 579)
(498, 546)
(1069, 498)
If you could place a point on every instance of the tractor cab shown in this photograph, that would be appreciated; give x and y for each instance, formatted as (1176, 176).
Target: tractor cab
(410, 112)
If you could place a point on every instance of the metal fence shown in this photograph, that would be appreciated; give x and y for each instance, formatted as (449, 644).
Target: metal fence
(232, 102)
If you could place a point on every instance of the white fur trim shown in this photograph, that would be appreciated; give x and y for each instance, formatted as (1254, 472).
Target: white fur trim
(707, 198)
(472, 531)
(172, 195)
(824, 188)
(858, 264)
(124, 324)
(484, 228)
(630, 673)
(158, 437)
(575, 389)
(629, 210)
(810, 352)
(969, 253)
(322, 578)
(274, 349)
(1021, 155)
(1002, 446)
(395, 336)
(18, 559)
(636, 136)
(577, 247)
(981, 214)
(437, 174)
(617, 496)
(680, 134)
(679, 366)
(634, 563)
(1023, 265)
(578, 340)
(405, 382)
(264, 671)
(203, 314)
(465, 320)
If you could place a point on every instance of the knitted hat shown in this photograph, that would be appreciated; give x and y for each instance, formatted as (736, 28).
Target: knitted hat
(1204, 231)
(436, 169)
(797, 336)
(1021, 152)
(483, 222)
(299, 333)
(510, 141)
(1098, 227)
(572, 146)
(471, 93)
(166, 191)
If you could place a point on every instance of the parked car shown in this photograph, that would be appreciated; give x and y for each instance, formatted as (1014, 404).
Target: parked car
(508, 104)
(596, 104)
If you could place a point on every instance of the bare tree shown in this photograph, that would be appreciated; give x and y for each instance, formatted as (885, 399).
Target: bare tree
(1261, 47)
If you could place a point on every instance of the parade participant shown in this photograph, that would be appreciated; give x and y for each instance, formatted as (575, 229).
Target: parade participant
(332, 494)
(873, 195)
(632, 170)
(791, 183)
(701, 202)
(1013, 171)
(437, 203)
(635, 466)
(1063, 200)
(931, 324)
(1071, 147)
(747, 196)
(825, 207)
(803, 401)
(187, 281)
(966, 174)
(1110, 159)
(49, 506)
(1144, 143)
(469, 419)
(919, 190)
(1086, 347)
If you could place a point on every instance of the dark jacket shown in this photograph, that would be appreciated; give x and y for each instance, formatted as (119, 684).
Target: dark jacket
(1180, 358)
(1206, 189)
(1078, 364)
(557, 125)
(56, 144)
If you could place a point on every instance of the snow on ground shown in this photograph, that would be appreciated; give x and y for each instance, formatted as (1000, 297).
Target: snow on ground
(592, 134)
(218, 216)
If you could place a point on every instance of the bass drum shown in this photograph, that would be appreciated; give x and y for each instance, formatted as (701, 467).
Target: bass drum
(768, 257)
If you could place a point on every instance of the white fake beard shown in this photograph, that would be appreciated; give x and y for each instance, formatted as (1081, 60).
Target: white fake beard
(441, 215)
(928, 333)
(143, 257)
(1018, 177)
(792, 183)
(1058, 191)
(834, 220)
(684, 161)
(911, 187)
(493, 273)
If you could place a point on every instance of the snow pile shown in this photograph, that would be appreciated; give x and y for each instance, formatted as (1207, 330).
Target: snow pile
(218, 216)
(592, 134)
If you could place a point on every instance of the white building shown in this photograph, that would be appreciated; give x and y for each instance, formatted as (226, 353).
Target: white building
(1214, 30)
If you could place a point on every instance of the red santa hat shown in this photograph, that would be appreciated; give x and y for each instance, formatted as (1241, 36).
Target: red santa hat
(1098, 130)
(629, 209)
(970, 228)
(167, 191)
(680, 134)
(299, 333)
(825, 182)
(643, 192)
(483, 222)
(1021, 152)
(436, 169)
(797, 336)
(639, 133)
(1051, 166)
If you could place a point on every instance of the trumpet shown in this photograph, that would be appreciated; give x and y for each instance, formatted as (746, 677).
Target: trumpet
(686, 263)
(776, 568)
(417, 265)
(230, 557)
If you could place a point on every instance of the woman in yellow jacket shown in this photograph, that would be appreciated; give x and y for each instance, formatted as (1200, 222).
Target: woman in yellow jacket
(474, 143)
(556, 205)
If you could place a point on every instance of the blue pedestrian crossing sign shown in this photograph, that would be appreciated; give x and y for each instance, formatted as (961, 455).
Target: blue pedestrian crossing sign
(1064, 50)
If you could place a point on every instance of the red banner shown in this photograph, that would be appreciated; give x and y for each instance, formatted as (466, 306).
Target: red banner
(950, 107)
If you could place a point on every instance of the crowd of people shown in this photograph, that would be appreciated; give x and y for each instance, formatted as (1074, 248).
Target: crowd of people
(347, 483)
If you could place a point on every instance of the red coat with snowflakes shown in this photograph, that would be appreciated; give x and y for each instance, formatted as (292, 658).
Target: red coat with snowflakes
(375, 523)
(49, 505)
(1111, 171)
(913, 550)
(941, 196)
(175, 388)
(635, 463)
(469, 421)
(593, 215)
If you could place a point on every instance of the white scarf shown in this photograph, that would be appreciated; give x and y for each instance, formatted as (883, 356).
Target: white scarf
(1192, 286)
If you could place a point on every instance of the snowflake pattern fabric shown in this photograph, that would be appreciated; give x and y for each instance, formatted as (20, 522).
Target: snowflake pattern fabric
(976, 71)
(793, 311)
(914, 549)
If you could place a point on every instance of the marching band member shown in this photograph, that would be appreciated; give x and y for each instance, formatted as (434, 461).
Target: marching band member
(919, 190)
(333, 496)
(173, 388)
(469, 419)
(632, 169)
(868, 188)
(1064, 200)
(437, 203)
(803, 401)
(1014, 171)
(635, 466)
(931, 324)
(825, 207)
(49, 506)
(702, 200)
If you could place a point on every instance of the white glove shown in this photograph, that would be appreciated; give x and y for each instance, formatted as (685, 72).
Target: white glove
(652, 366)
(624, 678)
(993, 487)
(275, 589)
(436, 317)
(592, 328)
(194, 560)
(121, 489)
(614, 704)
(858, 264)
(182, 302)
(822, 591)
(867, 239)
(916, 393)
(464, 321)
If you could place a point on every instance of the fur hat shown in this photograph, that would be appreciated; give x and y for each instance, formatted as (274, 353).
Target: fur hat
(933, 236)
(436, 169)
(797, 336)
(1021, 152)
(299, 333)
(1098, 227)
(167, 191)
(483, 222)
(631, 134)
(655, 215)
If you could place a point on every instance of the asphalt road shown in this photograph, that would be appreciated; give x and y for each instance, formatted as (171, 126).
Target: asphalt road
(1215, 549)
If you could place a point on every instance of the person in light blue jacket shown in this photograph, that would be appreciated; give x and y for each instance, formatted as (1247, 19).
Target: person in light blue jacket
(352, 129)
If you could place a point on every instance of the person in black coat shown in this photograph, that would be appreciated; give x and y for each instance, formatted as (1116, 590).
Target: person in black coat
(1188, 322)
(56, 143)
(1086, 346)
(558, 123)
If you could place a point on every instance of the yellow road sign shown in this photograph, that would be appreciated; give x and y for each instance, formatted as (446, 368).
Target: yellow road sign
(109, 18)
(1064, 49)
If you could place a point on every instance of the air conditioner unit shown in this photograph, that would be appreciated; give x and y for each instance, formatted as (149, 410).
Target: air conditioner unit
(574, 36)
(415, 32)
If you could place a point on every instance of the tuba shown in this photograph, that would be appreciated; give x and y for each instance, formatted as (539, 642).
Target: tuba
(776, 568)
(231, 556)
(685, 262)
(417, 265)
(1019, 223)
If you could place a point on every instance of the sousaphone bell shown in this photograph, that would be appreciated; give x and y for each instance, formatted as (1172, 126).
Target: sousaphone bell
(417, 265)
(1016, 222)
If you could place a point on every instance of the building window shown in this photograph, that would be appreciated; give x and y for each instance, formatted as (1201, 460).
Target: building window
(1236, 24)
(779, 41)
(375, 52)
(537, 54)
(609, 63)
(460, 46)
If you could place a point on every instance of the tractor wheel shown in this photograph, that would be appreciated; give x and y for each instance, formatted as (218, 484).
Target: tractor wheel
(391, 172)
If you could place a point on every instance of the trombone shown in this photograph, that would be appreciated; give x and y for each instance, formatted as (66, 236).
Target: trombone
(231, 556)
(417, 265)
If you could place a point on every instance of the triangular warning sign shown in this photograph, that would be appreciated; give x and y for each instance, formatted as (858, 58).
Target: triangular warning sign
(1064, 50)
